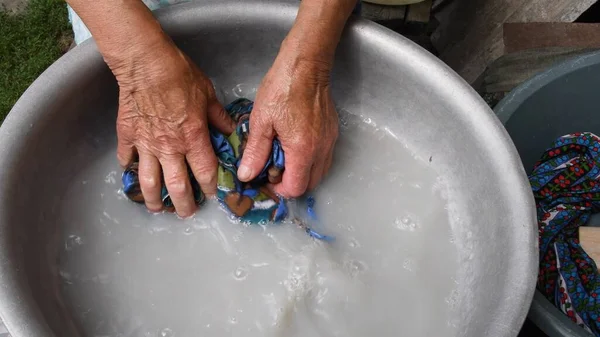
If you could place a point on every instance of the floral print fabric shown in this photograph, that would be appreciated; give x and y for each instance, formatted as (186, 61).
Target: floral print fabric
(566, 187)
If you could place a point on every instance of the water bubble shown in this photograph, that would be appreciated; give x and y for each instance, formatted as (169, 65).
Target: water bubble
(408, 264)
(233, 320)
(406, 224)
(354, 243)
(166, 332)
(243, 90)
(188, 231)
(73, 241)
(452, 299)
(110, 178)
(367, 120)
(356, 267)
(237, 237)
(240, 273)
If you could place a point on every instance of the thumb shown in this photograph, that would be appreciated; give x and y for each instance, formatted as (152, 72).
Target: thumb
(257, 151)
(219, 118)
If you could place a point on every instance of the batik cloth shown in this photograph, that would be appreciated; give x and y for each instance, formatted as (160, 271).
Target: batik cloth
(250, 202)
(566, 186)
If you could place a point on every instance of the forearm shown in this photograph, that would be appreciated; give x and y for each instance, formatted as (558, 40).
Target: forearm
(318, 29)
(122, 29)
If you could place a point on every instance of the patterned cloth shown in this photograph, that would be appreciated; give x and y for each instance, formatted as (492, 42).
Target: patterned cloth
(81, 32)
(251, 202)
(566, 186)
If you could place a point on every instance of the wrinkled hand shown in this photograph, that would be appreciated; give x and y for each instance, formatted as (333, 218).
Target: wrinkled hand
(294, 104)
(165, 106)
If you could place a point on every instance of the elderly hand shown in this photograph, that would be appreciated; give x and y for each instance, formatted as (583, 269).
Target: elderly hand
(294, 104)
(165, 106)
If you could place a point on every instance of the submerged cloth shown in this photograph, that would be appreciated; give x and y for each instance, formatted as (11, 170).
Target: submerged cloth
(250, 202)
(82, 33)
(566, 186)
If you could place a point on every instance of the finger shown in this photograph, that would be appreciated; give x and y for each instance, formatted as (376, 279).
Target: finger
(328, 162)
(178, 185)
(203, 163)
(316, 173)
(219, 118)
(258, 149)
(150, 182)
(125, 153)
(295, 177)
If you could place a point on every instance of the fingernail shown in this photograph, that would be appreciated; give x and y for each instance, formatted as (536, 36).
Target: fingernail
(244, 172)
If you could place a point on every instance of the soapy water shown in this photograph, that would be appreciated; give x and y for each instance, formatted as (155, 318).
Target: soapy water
(126, 272)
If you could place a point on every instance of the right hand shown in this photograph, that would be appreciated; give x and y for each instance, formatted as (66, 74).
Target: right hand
(165, 106)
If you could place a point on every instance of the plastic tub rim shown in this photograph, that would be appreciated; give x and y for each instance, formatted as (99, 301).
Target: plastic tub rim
(542, 313)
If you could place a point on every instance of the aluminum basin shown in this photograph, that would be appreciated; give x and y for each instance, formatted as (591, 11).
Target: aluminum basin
(53, 133)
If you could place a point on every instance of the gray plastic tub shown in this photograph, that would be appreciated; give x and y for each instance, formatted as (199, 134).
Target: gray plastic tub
(561, 100)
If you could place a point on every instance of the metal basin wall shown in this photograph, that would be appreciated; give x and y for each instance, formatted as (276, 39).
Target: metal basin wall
(377, 71)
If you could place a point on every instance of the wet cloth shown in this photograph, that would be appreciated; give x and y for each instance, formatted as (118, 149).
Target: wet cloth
(566, 186)
(250, 202)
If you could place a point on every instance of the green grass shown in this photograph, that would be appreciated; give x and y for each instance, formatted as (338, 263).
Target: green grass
(30, 41)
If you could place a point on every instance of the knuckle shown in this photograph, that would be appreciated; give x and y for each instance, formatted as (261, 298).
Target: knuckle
(204, 168)
(334, 133)
(178, 186)
(305, 144)
(149, 182)
(193, 129)
(295, 189)
(123, 129)
(122, 157)
(207, 175)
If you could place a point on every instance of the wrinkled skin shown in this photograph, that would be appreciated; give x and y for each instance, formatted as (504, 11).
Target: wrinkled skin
(165, 108)
(166, 103)
(163, 119)
(293, 103)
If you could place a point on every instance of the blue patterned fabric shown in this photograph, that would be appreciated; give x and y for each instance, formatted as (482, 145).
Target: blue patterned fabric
(250, 202)
(566, 186)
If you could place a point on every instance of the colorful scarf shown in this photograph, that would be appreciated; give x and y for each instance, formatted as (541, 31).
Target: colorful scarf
(566, 186)
(251, 202)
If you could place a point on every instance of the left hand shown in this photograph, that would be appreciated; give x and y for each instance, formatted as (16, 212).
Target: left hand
(294, 104)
